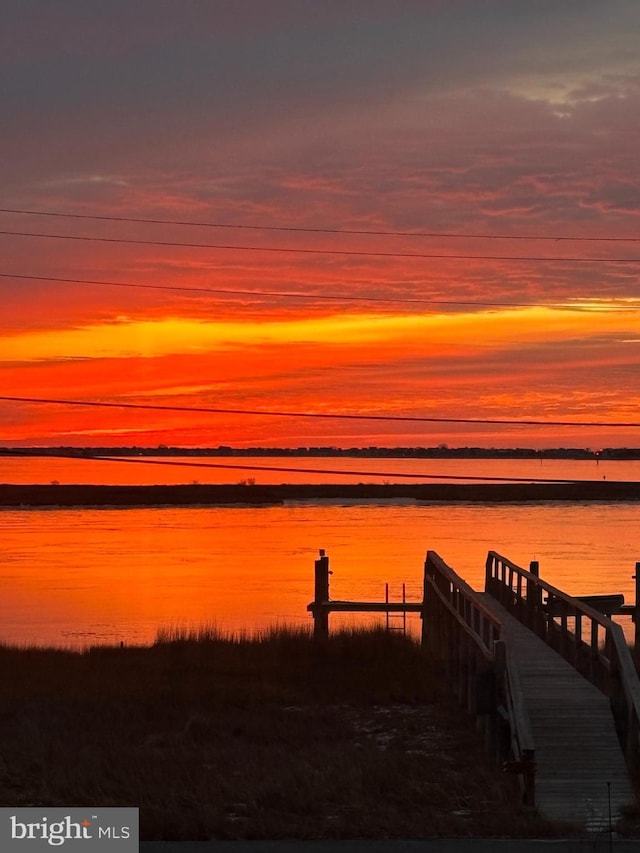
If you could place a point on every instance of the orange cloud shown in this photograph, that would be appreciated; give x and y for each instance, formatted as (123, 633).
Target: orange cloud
(490, 363)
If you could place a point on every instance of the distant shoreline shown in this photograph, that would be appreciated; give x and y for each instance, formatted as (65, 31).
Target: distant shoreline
(56, 495)
(610, 454)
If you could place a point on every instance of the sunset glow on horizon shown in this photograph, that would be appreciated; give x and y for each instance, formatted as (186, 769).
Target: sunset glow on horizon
(372, 183)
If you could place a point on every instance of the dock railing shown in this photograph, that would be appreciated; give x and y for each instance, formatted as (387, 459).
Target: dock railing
(462, 633)
(590, 641)
(460, 605)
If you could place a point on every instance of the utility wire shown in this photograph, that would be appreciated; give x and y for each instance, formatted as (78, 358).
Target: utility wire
(608, 305)
(352, 231)
(333, 252)
(293, 470)
(324, 415)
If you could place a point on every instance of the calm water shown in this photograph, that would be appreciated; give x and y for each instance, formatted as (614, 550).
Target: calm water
(86, 576)
(207, 470)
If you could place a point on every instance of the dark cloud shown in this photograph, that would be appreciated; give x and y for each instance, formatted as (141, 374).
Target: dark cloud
(247, 61)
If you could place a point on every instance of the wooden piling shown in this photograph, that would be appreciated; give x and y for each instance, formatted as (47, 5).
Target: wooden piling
(321, 597)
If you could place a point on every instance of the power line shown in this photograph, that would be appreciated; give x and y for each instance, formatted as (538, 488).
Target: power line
(323, 415)
(275, 293)
(333, 252)
(293, 470)
(610, 305)
(298, 229)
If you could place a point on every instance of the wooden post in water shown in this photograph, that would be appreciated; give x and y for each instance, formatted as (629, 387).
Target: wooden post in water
(321, 597)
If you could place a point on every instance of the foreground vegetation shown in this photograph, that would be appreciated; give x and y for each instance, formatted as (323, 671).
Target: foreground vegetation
(266, 737)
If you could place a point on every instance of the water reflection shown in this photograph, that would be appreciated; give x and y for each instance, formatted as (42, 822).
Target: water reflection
(72, 577)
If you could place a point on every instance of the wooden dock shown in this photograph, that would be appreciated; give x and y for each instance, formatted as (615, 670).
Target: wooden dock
(549, 678)
(579, 765)
(371, 607)
(323, 605)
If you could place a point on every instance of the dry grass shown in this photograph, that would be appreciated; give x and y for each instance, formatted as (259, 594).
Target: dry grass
(237, 737)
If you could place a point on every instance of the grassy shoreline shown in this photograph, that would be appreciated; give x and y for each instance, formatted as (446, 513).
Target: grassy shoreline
(63, 495)
(267, 737)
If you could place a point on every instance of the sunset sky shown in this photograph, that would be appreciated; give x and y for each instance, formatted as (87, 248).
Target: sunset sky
(458, 119)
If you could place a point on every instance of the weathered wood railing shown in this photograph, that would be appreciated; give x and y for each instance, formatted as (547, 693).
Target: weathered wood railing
(522, 745)
(593, 643)
(460, 608)
(465, 636)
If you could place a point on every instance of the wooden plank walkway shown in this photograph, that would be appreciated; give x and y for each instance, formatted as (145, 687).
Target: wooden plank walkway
(576, 746)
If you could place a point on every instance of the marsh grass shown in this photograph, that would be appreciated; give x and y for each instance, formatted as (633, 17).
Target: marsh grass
(238, 736)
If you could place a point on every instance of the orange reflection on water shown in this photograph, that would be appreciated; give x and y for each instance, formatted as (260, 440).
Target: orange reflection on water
(75, 577)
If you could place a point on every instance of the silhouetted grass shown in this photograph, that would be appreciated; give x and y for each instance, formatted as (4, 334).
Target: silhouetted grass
(271, 736)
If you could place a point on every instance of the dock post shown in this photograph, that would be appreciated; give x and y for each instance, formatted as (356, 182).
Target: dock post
(488, 574)
(534, 595)
(501, 733)
(636, 616)
(423, 613)
(321, 597)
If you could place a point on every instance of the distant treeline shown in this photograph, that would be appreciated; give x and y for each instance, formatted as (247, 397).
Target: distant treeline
(442, 451)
